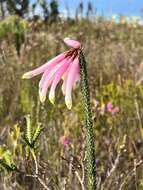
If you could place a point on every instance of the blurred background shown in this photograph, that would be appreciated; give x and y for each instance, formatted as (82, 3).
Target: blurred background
(31, 33)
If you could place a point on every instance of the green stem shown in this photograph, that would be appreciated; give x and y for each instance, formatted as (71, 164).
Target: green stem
(90, 147)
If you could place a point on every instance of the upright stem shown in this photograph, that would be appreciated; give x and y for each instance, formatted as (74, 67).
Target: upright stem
(90, 147)
(35, 160)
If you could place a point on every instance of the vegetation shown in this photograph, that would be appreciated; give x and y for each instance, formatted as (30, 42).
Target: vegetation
(18, 7)
(43, 146)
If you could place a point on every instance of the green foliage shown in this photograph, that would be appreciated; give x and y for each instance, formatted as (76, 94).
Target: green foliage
(16, 28)
(6, 160)
(43, 4)
(36, 134)
(15, 146)
(45, 7)
(28, 129)
(13, 140)
(31, 137)
(25, 101)
(18, 7)
(54, 10)
(114, 54)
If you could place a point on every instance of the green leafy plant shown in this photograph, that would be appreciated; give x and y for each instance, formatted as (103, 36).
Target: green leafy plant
(6, 161)
(30, 137)
(18, 7)
(15, 27)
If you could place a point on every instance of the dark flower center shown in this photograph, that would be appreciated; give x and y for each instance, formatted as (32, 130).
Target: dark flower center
(73, 53)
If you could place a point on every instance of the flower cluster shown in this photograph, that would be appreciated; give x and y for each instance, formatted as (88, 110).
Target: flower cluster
(64, 66)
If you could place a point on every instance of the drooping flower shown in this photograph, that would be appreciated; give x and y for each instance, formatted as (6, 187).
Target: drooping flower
(64, 66)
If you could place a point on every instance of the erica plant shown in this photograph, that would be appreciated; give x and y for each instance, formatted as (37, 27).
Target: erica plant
(70, 67)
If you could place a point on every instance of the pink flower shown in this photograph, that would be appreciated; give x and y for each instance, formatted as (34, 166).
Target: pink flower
(64, 66)
(111, 109)
(109, 106)
(115, 110)
(65, 141)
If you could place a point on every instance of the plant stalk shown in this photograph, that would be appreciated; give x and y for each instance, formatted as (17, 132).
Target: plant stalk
(90, 146)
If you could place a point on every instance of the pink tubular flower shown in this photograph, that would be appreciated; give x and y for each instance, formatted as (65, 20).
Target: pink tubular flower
(65, 141)
(64, 66)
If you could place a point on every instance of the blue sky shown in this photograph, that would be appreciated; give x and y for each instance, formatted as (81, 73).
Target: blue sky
(105, 7)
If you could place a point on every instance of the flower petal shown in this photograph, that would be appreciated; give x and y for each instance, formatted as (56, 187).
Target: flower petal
(43, 91)
(72, 43)
(72, 77)
(77, 78)
(57, 78)
(48, 73)
(46, 81)
(44, 67)
(65, 79)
